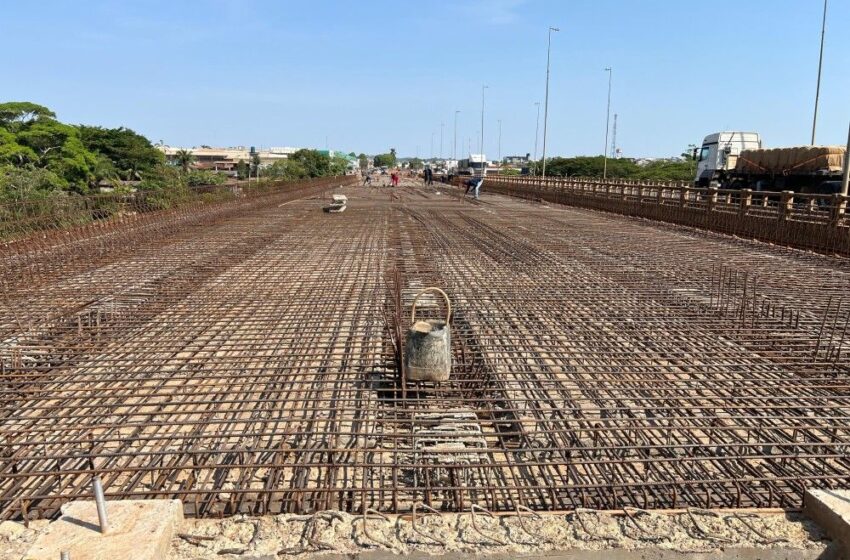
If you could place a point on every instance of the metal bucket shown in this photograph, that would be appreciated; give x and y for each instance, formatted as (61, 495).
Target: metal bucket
(428, 346)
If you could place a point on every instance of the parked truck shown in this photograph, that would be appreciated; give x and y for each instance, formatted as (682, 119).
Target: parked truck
(737, 160)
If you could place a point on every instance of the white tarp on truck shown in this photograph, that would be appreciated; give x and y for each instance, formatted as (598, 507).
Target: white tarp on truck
(803, 160)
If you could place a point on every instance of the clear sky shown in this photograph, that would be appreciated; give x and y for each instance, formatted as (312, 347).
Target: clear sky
(373, 74)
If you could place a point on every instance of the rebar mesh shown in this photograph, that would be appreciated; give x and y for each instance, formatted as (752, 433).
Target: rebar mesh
(249, 362)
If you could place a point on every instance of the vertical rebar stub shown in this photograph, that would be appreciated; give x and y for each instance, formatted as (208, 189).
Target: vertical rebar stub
(100, 502)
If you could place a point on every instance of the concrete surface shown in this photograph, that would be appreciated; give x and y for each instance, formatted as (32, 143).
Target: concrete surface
(831, 510)
(139, 530)
(829, 552)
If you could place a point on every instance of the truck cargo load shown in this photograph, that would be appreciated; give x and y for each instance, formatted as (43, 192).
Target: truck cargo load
(802, 160)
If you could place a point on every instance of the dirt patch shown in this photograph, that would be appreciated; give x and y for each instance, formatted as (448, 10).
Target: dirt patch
(16, 539)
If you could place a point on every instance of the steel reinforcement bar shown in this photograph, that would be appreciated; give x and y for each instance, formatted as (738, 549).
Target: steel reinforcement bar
(806, 221)
(251, 364)
(42, 244)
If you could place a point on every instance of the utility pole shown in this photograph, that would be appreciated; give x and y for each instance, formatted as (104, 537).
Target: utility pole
(454, 146)
(846, 180)
(607, 122)
(536, 136)
(499, 151)
(546, 101)
(441, 139)
(432, 145)
(614, 138)
(481, 152)
(820, 68)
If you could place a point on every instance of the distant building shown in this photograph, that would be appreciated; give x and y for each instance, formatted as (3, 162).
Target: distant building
(225, 159)
(517, 160)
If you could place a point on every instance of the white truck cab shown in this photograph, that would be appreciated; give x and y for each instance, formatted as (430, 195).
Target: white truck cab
(719, 153)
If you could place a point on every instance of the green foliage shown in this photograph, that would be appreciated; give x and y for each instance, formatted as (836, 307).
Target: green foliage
(386, 160)
(25, 183)
(131, 154)
(15, 114)
(255, 164)
(285, 169)
(184, 159)
(668, 171)
(199, 177)
(242, 170)
(508, 170)
(592, 166)
(416, 164)
(363, 160)
(31, 137)
(316, 164)
(305, 164)
(338, 166)
(12, 153)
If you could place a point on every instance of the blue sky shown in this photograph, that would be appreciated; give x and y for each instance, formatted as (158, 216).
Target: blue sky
(368, 75)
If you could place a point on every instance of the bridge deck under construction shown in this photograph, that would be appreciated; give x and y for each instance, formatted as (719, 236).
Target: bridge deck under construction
(250, 363)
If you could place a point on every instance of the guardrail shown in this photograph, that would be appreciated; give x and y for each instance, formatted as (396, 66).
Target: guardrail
(808, 221)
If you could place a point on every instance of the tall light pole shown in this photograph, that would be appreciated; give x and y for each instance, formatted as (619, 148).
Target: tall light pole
(536, 135)
(483, 167)
(441, 139)
(499, 151)
(845, 180)
(432, 146)
(820, 67)
(607, 124)
(454, 146)
(546, 101)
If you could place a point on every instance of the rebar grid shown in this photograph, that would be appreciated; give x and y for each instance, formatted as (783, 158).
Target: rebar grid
(250, 364)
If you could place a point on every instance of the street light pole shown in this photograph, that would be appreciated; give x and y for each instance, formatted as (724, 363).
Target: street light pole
(441, 139)
(546, 101)
(536, 136)
(820, 67)
(483, 165)
(499, 151)
(845, 181)
(454, 146)
(607, 125)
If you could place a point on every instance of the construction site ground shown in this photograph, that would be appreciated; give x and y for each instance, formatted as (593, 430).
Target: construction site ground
(249, 366)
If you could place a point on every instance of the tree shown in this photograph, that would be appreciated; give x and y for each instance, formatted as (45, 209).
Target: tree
(18, 183)
(386, 160)
(12, 153)
(15, 114)
(315, 163)
(58, 147)
(30, 136)
(338, 166)
(255, 164)
(184, 159)
(130, 153)
(363, 160)
(242, 170)
(286, 169)
(415, 164)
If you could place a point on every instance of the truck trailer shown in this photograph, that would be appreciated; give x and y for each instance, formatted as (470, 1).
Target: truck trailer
(737, 160)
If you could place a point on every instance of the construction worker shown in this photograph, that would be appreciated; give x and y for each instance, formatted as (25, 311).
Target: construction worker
(474, 185)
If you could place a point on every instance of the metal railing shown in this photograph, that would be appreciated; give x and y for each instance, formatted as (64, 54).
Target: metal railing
(812, 221)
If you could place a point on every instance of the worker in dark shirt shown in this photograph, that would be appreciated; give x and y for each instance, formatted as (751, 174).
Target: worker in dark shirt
(474, 185)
